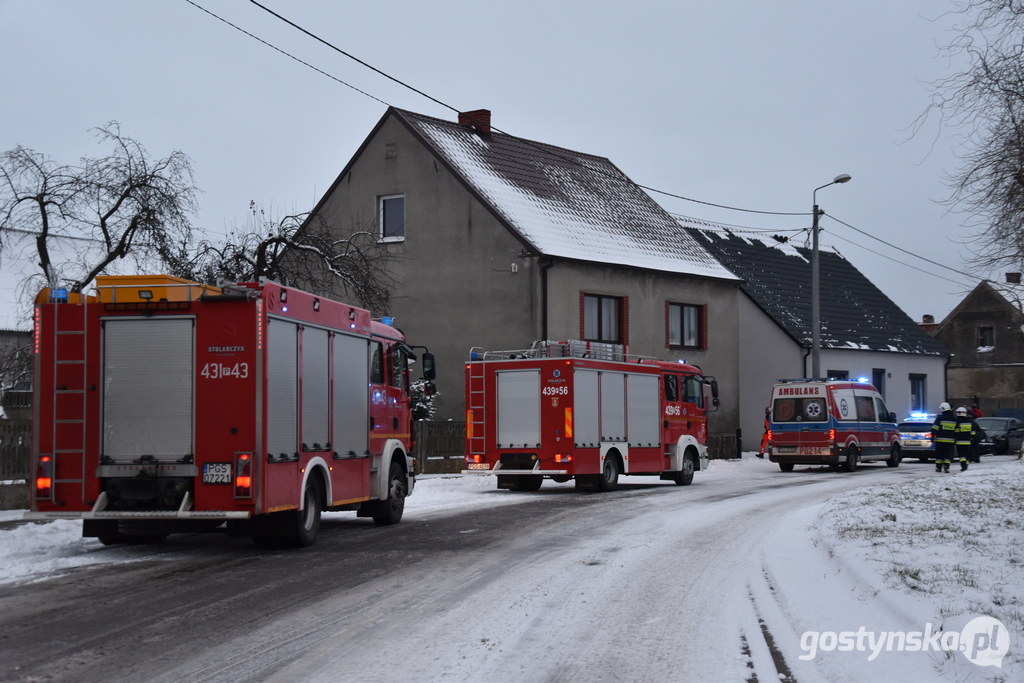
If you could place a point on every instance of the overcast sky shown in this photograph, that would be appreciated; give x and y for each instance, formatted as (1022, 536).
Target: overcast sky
(747, 103)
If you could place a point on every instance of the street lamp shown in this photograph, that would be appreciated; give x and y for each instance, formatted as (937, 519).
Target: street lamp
(815, 289)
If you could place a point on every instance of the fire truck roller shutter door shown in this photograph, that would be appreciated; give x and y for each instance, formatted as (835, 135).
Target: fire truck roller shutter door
(643, 410)
(282, 388)
(351, 395)
(315, 389)
(518, 408)
(613, 406)
(586, 404)
(148, 377)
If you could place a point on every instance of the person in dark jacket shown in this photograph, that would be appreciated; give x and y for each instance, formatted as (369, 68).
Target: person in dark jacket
(967, 431)
(944, 436)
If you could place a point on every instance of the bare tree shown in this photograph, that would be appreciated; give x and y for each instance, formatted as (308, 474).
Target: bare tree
(297, 248)
(122, 205)
(985, 102)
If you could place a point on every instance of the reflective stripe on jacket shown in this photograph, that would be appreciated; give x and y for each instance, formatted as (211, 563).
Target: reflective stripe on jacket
(944, 428)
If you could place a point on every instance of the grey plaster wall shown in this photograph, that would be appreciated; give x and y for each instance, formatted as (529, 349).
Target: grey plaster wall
(648, 293)
(766, 354)
(461, 279)
(454, 281)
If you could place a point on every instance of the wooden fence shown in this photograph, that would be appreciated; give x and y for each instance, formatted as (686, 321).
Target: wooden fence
(440, 446)
(15, 449)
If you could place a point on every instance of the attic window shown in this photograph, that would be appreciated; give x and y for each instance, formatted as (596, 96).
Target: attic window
(391, 151)
(986, 339)
(391, 217)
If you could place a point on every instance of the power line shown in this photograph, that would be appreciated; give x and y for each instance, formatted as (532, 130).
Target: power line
(287, 54)
(437, 101)
(893, 246)
(352, 57)
(906, 265)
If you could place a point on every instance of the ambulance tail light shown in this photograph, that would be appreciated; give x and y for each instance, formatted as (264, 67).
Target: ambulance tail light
(44, 478)
(832, 436)
(243, 475)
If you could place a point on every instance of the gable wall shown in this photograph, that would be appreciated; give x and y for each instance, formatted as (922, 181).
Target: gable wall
(766, 354)
(454, 285)
(984, 307)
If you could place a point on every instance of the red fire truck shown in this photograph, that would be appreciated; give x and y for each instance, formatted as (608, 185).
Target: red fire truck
(587, 411)
(165, 406)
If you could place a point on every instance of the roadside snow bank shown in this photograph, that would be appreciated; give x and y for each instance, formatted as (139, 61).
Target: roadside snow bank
(922, 557)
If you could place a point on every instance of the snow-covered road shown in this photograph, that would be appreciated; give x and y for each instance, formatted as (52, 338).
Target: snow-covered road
(722, 580)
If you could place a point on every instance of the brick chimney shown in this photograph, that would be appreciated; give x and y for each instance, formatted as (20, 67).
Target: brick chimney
(479, 120)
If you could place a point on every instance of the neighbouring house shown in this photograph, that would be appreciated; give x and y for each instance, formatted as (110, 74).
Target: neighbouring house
(863, 333)
(495, 241)
(985, 332)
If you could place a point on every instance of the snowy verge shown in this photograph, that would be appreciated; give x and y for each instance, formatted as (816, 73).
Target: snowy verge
(919, 557)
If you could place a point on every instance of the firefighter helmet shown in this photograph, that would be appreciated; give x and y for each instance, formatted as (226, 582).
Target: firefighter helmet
(961, 411)
(943, 407)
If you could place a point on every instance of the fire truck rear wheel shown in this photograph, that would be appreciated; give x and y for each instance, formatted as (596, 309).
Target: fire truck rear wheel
(307, 520)
(389, 511)
(609, 477)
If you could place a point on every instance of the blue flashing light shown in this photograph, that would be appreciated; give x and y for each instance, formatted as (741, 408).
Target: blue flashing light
(683, 361)
(919, 416)
(387, 320)
(862, 380)
(284, 309)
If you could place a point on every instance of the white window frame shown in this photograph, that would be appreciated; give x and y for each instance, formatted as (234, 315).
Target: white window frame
(380, 218)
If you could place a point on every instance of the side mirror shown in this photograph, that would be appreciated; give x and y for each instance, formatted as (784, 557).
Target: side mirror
(429, 372)
(892, 417)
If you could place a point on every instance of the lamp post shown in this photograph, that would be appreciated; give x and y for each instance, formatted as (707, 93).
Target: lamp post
(815, 289)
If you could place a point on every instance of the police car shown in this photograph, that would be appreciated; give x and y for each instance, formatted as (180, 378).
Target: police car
(916, 436)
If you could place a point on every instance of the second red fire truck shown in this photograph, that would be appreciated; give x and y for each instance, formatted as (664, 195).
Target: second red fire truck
(164, 406)
(584, 411)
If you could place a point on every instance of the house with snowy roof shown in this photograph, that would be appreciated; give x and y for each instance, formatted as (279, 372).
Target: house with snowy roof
(863, 333)
(495, 241)
(985, 332)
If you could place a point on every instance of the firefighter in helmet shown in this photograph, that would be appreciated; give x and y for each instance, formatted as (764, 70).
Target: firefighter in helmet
(944, 431)
(967, 431)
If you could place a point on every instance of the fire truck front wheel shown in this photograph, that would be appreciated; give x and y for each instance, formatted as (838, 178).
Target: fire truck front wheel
(390, 511)
(685, 476)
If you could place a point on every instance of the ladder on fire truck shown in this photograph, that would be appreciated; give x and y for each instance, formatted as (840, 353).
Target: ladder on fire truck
(70, 347)
(476, 425)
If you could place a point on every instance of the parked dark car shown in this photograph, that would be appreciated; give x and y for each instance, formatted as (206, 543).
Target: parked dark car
(916, 437)
(1002, 435)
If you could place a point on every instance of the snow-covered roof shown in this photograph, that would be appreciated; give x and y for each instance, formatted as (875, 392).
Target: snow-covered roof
(564, 203)
(855, 314)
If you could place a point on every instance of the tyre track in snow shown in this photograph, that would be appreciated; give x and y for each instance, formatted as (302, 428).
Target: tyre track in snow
(635, 585)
